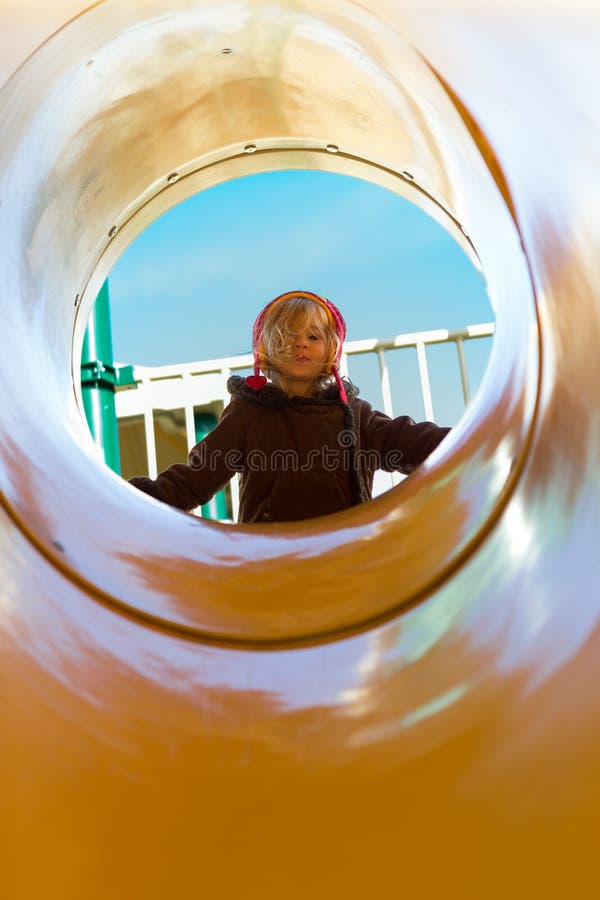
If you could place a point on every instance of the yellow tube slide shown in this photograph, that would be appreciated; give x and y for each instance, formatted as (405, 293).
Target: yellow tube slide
(400, 700)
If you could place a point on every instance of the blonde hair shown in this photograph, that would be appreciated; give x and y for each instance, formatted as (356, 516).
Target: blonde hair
(279, 327)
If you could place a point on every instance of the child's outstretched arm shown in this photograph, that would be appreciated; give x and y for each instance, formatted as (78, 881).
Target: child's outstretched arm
(211, 464)
(401, 443)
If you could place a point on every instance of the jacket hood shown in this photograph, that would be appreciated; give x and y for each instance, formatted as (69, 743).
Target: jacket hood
(271, 395)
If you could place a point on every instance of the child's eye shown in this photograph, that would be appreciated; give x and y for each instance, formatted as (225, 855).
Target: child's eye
(315, 337)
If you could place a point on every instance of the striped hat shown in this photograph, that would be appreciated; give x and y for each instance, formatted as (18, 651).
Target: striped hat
(336, 321)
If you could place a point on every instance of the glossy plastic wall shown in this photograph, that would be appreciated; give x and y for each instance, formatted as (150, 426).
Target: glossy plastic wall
(399, 699)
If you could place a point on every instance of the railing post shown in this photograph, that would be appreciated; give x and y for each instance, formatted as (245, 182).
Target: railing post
(344, 364)
(388, 406)
(149, 428)
(386, 391)
(425, 385)
(462, 363)
(190, 423)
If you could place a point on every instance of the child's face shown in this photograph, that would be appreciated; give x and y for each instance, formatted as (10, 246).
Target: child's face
(306, 356)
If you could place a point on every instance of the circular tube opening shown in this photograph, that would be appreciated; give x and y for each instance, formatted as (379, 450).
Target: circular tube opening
(183, 298)
(107, 140)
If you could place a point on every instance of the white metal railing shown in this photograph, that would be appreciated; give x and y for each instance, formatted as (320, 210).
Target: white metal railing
(419, 341)
(181, 386)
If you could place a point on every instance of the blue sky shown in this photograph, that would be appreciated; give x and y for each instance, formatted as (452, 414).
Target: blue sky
(191, 285)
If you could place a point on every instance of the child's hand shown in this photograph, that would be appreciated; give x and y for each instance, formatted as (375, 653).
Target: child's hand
(147, 485)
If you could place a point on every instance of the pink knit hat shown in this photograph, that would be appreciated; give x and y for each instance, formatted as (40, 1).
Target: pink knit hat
(336, 320)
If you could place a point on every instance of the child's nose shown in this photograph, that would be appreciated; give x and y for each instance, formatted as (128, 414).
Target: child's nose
(301, 340)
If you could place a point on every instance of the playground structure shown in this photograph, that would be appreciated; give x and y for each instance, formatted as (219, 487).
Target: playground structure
(398, 699)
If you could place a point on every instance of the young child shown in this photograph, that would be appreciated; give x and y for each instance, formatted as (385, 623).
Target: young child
(303, 443)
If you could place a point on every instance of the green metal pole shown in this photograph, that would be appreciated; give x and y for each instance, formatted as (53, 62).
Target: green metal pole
(98, 378)
(217, 507)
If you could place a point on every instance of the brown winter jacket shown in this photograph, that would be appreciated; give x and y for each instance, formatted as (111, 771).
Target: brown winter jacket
(298, 457)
